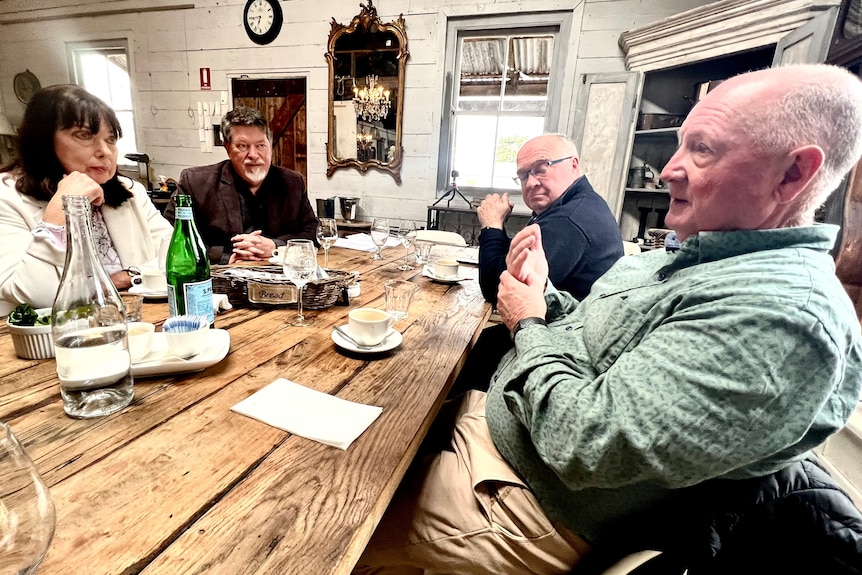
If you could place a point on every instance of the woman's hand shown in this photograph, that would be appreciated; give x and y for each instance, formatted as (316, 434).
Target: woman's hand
(72, 184)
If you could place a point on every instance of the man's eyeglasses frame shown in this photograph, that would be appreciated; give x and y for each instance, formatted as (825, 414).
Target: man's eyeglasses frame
(537, 171)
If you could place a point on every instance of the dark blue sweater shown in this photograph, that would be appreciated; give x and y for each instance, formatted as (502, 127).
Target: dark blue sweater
(580, 236)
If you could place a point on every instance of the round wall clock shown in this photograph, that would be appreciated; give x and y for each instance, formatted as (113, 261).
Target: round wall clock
(26, 84)
(262, 20)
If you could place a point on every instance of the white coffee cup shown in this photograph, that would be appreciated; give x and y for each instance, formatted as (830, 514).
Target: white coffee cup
(446, 269)
(151, 279)
(140, 335)
(277, 253)
(368, 325)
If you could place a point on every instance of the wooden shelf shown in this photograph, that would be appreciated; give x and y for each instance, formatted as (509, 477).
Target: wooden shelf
(648, 191)
(658, 132)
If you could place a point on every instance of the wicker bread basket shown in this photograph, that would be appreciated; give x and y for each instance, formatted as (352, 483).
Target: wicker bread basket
(266, 286)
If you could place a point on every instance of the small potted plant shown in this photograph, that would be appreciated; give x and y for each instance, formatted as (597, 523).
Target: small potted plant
(31, 332)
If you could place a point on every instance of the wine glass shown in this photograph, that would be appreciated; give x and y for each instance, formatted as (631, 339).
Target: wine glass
(406, 235)
(26, 510)
(379, 235)
(327, 234)
(300, 267)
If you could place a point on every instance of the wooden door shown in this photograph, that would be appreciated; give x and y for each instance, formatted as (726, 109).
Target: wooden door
(283, 103)
(604, 125)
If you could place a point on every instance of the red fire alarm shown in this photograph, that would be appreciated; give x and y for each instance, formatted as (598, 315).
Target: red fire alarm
(205, 79)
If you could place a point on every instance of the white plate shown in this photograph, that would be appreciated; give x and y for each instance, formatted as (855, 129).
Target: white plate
(391, 341)
(429, 273)
(155, 362)
(141, 290)
(468, 256)
(275, 261)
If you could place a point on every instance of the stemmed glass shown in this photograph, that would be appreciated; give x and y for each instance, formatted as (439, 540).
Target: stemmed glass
(327, 234)
(379, 235)
(300, 267)
(406, 235)
(26, 510)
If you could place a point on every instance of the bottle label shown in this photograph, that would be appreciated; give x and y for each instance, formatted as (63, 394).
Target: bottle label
(183, 213)
(198, 297)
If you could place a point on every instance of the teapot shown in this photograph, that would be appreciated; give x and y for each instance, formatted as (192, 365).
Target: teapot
(639, 175)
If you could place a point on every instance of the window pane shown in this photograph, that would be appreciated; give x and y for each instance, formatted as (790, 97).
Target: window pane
(473, 155)
(530, 71)
(486, 148)
(118, 79)
(104, 73)
(482, 61)
(512, 133)
(126, 144)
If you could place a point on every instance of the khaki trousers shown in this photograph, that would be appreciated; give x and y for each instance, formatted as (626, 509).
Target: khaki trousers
(462, 510)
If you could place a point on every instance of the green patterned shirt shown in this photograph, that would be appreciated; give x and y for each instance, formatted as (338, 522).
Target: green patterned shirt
(730, 358)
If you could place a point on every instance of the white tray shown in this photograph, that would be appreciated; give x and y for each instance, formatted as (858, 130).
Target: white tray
(216, 349)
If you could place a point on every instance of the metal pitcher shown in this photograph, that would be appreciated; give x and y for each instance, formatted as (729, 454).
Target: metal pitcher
(348, 208)
(326, 207)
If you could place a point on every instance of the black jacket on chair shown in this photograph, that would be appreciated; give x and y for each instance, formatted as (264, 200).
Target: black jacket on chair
(796, 520)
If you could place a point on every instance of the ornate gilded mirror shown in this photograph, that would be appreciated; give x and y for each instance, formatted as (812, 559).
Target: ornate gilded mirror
(366, 87)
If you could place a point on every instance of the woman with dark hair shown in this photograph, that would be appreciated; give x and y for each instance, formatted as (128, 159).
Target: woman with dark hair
(67, 145)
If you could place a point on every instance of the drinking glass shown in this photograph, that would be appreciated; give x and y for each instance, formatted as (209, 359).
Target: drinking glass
(300, 267)
(406, 235)
(327, 234)
(26, 510)
(379, 235)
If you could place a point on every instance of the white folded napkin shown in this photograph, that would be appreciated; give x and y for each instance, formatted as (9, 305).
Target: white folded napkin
(311, 414)
(363, 242)
(220, 302)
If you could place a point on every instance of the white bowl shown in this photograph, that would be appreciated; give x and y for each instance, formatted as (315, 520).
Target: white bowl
(184, 340)
(33, 341)
(140, 339)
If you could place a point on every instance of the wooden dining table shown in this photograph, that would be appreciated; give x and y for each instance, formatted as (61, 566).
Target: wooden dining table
(178, 483)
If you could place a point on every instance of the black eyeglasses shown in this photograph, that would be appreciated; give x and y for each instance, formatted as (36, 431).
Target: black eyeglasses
(537, 171)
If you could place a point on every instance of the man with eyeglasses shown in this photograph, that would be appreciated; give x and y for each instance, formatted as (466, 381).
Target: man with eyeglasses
(582, 238)
(677, 405)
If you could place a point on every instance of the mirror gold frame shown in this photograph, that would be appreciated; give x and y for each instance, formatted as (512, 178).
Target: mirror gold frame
(368, 38)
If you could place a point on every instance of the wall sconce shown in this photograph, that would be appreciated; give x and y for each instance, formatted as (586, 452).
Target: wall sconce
(372, 102)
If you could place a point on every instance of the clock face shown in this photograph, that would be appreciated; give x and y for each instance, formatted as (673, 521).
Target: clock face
(262, 20)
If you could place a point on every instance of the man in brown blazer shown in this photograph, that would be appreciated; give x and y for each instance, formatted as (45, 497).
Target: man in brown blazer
(244, 206)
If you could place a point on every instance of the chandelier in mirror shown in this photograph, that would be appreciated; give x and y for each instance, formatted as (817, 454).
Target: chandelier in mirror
(372, 102)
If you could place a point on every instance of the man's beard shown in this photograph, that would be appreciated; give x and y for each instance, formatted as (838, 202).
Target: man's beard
(255, 174)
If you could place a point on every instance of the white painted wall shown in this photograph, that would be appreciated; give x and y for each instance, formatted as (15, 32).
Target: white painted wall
(169, 46)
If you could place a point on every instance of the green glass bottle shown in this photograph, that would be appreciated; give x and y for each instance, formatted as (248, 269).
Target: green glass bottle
(190, 286)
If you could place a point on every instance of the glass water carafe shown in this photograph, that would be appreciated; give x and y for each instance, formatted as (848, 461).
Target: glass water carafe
(88, 325)
(27, 517)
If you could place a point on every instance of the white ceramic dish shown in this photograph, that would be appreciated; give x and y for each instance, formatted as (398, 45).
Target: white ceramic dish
(158, 361)
(33, 342)
(391, 341)
(275, 261)
(429, 273)
(141, 290)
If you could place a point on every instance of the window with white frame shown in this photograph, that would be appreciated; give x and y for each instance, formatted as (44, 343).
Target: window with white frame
(506, 89)
(102, 68)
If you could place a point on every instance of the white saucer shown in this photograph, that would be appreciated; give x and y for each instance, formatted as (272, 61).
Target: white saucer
(391, 341)
(148, 294)
(429, 273)
(275, 261)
